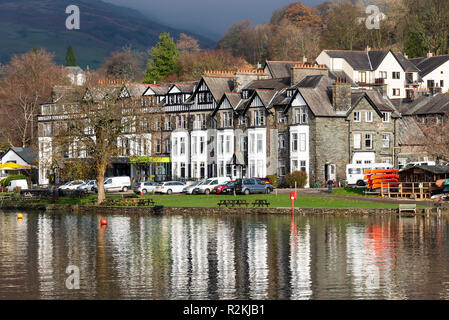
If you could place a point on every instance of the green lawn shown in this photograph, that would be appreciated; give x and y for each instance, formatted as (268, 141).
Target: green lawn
(281, 201)
(350, 191)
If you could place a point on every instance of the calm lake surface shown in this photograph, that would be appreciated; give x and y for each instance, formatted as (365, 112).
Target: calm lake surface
(223, 257)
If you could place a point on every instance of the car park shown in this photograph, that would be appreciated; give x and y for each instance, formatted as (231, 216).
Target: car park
(90, 185)
(190, 188)
(207, 186)
(170, 187)
(252, 185)
(145, 187)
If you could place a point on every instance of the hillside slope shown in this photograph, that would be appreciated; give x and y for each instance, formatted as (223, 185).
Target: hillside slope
(27, 24)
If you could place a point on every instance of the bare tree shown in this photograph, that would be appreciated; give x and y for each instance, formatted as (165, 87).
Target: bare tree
(26, 85)
(435, 136)
(97, 127)
(187, 45)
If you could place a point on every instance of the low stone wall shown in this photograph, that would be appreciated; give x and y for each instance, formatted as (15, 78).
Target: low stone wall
(216, 211)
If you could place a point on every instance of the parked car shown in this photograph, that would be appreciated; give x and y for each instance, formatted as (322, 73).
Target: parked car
(207, 186)
(252, 185)
(116, 184)
(145, 187)
(90, 185)
(229, 188)
(222, 187)
(190, 188)
(170, 187)
(186, 182)
(71, 185)
(22, 184)
(266, 180)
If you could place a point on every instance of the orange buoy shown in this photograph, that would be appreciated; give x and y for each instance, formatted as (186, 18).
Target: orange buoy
(103, 221)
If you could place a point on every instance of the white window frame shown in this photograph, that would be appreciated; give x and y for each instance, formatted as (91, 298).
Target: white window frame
(386, 117)
(369, 116)
(357, 141)
(357, 116)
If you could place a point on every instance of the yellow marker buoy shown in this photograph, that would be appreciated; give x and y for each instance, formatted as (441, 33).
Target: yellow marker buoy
(19, 216)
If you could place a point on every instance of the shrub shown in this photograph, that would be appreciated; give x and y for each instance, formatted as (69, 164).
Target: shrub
(273, 179)
(300, 177)
(5, 182)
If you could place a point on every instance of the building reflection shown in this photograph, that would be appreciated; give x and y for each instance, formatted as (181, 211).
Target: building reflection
(257, 261)
(226, 279)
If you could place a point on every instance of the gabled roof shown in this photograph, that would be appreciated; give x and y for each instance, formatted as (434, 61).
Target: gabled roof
(281, 69)
(427, 65)
(184, 86)
(265, 96)
(29, 155)
(370, 60)
(218, 85)
(158, 89)
(233, 98)
(136, 89)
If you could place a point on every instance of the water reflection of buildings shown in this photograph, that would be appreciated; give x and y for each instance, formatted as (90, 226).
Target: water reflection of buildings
(45, 256)
(257, 261)
(300, 258)
(226, 282)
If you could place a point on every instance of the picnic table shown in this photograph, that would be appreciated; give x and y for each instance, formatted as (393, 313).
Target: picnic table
(233, 203)
(260, 203)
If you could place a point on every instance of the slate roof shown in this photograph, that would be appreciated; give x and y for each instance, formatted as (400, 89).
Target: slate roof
(281, 69)
(185, 86)
(427, 65)
(233, 98)
(438, 104)
(274, 83)
(219, 85)
(136, 89)
(159, 89)
(433, 169)
(370, 60)
(66, 94)
(29, 155)
(408, 131)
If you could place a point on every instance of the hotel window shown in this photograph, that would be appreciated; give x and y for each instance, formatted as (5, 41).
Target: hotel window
(259, 143)
(158, 146)
(242, 119)
(385, 116)
(197, 124)
(368, 141)
(252, 143)
(203, 121)
(228, 144)
(220, 144)
(357, 140)
(167, 123)
(167, 146)
(297, 115)
(221, 168)
(396, 92)
(243, 143)
(396, 75)
(178, 122)
(383, 74)
(294, 165)
(281, 117)
(385, 140)
(252, 168)
(260, 168)
(362, 77)
(281, 141)
(357, 116)
(201, 145)
(183, 145)
(175, 146)
(281, 165)
(303, 115)
(259, 118)
(294, 142)
(184, 122)
(194, 146)
(303, 165)
(368, 116)
(302, 142)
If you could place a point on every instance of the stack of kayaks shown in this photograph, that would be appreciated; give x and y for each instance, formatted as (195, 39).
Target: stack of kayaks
(378, 178)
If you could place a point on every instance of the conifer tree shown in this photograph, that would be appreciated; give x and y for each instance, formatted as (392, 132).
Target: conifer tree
(163, 59)
(70, 58)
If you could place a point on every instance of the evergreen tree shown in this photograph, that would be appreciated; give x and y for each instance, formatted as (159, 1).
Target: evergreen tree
(163, 59)
(70, 58)
(416, 44)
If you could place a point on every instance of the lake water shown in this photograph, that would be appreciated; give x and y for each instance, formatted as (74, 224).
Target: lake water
(223, 257)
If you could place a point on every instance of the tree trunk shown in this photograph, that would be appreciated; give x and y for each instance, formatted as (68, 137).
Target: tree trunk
(100, 184)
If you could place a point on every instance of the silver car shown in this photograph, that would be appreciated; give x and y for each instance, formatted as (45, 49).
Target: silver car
(145, 187)
(90, 185)
(189, 189)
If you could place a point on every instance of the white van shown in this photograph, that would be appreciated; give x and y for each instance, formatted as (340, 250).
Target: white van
(207, 186)
(117, 184)
(355, 172)
(22, 184)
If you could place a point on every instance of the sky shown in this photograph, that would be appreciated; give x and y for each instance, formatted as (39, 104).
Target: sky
(210, 18)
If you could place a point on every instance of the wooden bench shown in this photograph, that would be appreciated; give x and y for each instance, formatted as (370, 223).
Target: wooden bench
(260, 203)
(407, 207)
(233, 203)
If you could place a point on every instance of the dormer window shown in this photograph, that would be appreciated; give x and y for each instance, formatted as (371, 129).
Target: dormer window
(245, 94)
(290, 93)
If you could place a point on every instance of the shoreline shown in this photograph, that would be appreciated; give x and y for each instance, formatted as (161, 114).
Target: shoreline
(223, 211)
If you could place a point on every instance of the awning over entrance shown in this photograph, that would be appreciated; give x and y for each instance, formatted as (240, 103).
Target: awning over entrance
(150, 160)
(12, 166)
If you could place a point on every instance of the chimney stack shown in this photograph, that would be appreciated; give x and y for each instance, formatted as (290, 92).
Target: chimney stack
(304, 59)
(301, 70)
(341, 95)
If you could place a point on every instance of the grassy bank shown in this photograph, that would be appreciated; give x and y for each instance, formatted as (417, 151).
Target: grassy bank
(276, 201)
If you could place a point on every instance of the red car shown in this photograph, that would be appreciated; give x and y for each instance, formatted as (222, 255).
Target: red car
(218, 189)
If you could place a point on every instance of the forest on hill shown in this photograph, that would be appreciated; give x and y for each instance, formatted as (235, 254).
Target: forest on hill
(414, 27)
